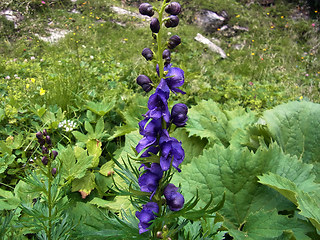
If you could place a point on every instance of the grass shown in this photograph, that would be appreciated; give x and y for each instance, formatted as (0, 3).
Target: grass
(278, 55)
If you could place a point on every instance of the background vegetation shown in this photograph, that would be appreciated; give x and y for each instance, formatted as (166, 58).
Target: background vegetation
(88, 78)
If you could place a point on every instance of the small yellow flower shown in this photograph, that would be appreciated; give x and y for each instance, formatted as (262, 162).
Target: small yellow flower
(42, 91)
(302, 57)
(74, 33)
(301, 97)
(32, 80)
(264, 49)
(237, 16)
(252, 40)
(101, 24)
(316, 11)
(89, 26)
(27, 85)
(272, 27)
(97, 18)
(218, 29)
(82, 17)
(125, 39)
(268, 13)
(282, 16)
(252, 54)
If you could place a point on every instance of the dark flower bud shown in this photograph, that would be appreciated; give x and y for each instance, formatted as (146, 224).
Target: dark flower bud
(146, 9)
(179, 114)
(45, 132)
(155, 25)
(144, 82)
(173, 8)
(45, 150)
(54, 171)
(174, 199)
(39, 135)
(54, 154)
(48, 140)
(172, 22)
(166, 53)
(147, 53)
(174, 41)
(44, 160)
(167, 61)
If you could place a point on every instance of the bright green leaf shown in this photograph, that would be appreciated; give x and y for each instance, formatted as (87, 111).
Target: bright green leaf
(85, 184)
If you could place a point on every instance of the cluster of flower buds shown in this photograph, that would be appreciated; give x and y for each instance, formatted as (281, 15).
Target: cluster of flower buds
(173, 9)
(46, 149)
(156, 125)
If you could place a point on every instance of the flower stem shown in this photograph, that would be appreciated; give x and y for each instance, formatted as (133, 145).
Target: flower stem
(49, 175)
(159, 36)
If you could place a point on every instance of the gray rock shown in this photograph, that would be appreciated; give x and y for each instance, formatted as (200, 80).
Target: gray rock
(210, 21)
(12, 16)
(213, 47)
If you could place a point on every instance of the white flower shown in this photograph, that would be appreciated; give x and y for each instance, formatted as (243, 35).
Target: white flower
(32, 58)
(91, 57)
(7, 77)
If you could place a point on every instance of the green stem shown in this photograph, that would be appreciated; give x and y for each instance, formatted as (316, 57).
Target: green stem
(49, 175)
(159, 43)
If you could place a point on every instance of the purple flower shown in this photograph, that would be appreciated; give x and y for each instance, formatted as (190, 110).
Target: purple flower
(146, 9)
(175, 78)
(171, 151)
(146, 215)
(158, 105)
(174, 41)
(44, 160)
(172, 22)
(155, 25)
(175, 200)
(145, 82)
(179, 114)
(54, 154)
(149, 180)
(173, 8)
(147, 53)
(150, 132)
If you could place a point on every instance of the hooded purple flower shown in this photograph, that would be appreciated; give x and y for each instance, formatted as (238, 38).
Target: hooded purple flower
(150, 132)
(175, 200)
(179, 114)
(146, 215)
(149, 180)
(171, 151)
(157, 104)
(175, 78)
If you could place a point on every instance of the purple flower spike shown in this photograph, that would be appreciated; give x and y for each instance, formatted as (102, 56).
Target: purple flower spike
(179, 114)
(149, 180)
(175, 79)
(171, 151)
(146, 215)
(175, 200)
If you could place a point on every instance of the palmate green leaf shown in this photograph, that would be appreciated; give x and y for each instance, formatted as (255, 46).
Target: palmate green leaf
(295, 126)
(131, 115)
(74, 163)
(307, 200)
(8, 201)
(101, 108)
(85, 184)
(269, 225)
(193, 146)
(207, 120)
(235, 170)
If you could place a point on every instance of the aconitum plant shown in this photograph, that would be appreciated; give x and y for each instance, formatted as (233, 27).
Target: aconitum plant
(160, 153)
